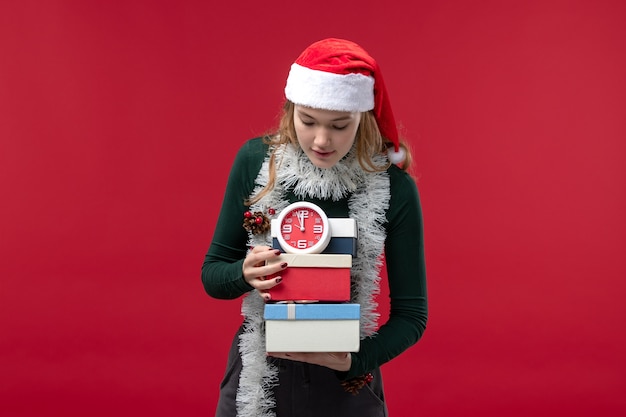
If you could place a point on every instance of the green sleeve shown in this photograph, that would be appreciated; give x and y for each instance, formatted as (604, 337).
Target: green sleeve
(222, 276)
(406, 272)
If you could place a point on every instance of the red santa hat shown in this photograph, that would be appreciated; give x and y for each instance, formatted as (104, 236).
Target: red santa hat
(336, 74)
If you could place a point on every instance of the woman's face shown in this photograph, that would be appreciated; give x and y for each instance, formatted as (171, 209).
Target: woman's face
(325, 136)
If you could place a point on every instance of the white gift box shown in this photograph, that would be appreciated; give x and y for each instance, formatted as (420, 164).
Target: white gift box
(312, 327)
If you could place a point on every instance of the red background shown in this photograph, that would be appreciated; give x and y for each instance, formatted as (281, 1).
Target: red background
(118, 123)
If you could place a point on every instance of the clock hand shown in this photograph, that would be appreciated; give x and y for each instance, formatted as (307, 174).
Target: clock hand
(298, 218)
(301, 220)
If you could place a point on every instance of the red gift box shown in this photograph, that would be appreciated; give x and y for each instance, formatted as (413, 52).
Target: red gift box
(313, 277)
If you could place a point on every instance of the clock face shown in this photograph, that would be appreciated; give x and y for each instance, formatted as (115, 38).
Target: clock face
(303, 228)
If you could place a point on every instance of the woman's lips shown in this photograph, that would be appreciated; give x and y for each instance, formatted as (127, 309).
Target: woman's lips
(322, 154)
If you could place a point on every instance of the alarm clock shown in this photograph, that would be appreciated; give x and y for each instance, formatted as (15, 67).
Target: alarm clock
(303, 228)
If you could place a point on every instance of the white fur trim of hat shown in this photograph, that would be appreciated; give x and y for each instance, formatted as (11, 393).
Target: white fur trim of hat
(329, 91)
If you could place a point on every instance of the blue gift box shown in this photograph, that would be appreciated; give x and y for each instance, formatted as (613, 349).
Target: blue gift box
(336, 246)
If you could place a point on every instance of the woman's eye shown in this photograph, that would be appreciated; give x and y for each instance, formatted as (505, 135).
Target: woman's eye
(340, 127)
(307, 123)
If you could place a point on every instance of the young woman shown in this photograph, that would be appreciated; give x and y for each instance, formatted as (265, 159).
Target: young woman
(337, 146)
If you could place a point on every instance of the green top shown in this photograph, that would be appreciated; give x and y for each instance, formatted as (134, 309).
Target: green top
(404, 256)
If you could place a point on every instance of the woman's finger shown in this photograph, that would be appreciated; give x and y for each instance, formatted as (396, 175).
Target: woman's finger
(263, 284)
(254, 267)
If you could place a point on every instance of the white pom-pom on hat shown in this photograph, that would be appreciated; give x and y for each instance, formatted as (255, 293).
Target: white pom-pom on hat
(396, 157)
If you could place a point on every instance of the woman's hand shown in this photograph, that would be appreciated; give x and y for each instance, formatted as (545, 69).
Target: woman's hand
(256, 273)
(339, 361)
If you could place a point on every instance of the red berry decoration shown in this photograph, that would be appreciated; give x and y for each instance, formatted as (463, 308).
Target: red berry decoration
(271, 211)
(256, 222)
(354, 385)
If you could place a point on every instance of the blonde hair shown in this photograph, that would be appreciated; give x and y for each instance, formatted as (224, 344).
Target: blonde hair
(369, 143)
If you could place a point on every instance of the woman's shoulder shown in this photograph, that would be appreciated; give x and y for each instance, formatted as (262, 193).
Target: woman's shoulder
(251, 151)
(249, 158)
(254, 146)
(400, 179)
(405, 199)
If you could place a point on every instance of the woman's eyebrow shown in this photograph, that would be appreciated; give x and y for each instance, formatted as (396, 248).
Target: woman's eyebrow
(333, 120)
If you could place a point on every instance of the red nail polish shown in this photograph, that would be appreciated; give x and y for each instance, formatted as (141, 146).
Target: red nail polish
(278, 279)
(283, 265)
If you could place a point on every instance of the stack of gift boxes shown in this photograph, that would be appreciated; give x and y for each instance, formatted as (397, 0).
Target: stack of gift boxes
(310, 311)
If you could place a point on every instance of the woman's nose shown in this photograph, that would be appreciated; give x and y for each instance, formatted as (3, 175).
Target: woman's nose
(322, 137)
